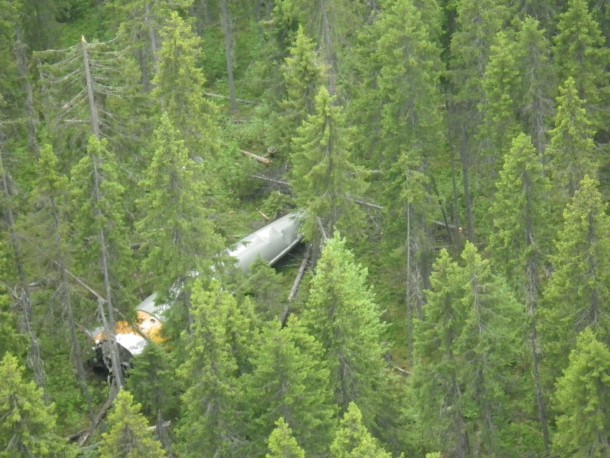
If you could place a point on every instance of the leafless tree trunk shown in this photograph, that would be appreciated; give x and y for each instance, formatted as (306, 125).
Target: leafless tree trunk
(225, 15)
(110, 323)
(22, 66)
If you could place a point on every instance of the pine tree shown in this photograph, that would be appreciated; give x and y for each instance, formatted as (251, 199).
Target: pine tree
(178, 88)
(353, 440)
(520, 242)
(178, 236)
(582, 399)
(537, 74)
(128, 435)
(324, 178)
(28, 425)
(578, 293)
(282, 444)
(302, 74)
(153, 384)
(466, 349)
(289, 380)
(342, 315)
(571, 153)
(501, 85)
(208, 425)
(581, 53)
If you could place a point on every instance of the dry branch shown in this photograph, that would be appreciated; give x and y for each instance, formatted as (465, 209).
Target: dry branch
(256, 157)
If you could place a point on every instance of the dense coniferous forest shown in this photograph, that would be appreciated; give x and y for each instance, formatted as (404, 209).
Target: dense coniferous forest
(451, 163)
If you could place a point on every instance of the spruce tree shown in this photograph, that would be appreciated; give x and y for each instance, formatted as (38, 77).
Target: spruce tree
(27, 428)
(342, 315)
(324, 177)
(577, 295)
(353, 440)
(282, 443)
(572, 153)
(179, 90)
(520, 241)
(289, 380)
(582, 399)
(537, 74)
(302, 74)
(466, 348)
(581, 53)
(177, 234)
(209, 425)
(128, 435)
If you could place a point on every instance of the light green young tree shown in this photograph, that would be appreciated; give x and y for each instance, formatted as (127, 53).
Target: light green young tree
(282, 443)
(303, 76)
(179, 90)
(572, 153)
(27, 426)
(577, 295)
(582, 399)
(342, 315)
(128, 435)
(324, 177)
(353, 440)
(208, 426)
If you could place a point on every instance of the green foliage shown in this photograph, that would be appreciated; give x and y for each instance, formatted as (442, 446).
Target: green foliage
(324, 178)
(466, 349)
(352, 439)
(176, 231)
(302, 73)
(99, 218)
(578, 293)
(179, 90)
(282, 444)
(153, 383)
(342, 315)
(581, 53)
(582, 399)
(28, 425)
(210, 374)
(520, 239)
(571, 153)
(290, 379)
(128, 435)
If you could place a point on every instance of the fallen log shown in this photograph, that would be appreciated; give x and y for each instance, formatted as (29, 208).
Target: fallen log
(256, 157)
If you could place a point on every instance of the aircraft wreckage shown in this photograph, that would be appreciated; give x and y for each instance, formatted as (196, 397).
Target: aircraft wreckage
(270, 243)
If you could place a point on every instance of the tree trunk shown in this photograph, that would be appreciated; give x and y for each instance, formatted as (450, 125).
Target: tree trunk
(228, 33)
(22, 65)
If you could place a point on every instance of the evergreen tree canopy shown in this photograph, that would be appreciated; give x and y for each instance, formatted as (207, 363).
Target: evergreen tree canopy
(290, 380)
(577, 295)
(128, 435)
(582, 400)
(353, 439)
(324, 177)
(282, 443)
(342, 315)
(27, 425)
